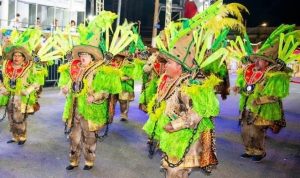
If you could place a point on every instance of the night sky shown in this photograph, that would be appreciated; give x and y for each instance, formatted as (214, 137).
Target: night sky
(274, 12)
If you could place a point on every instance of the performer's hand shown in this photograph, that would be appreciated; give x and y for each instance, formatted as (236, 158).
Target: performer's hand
(65, 90)
(255, 102)
(90, 99)
(3, 91)
(124, 78)
(24, 93)
(235, 89)
(169, 128)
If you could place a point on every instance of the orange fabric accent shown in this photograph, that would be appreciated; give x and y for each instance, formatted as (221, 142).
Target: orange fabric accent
(159, 68)
(251, 76)
(163, 83)
(116, 63)
(9, 69)
(75, 68)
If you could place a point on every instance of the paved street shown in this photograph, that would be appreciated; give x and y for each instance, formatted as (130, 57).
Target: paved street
(123, 154)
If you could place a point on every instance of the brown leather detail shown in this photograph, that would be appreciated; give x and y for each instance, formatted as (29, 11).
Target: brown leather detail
(126, 96)
(113, 98)
(36, 107)
(266, 99)
(207, 154)
(262, 122)
(143, 107)
(277, 126)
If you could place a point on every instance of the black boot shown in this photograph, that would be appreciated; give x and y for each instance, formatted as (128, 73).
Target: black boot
(21, 142)
(207, 170)
(11, 141)
(245, 155)
(124, 110)
(86, 167)
(70, 167)
(258, 158)
(123, 119)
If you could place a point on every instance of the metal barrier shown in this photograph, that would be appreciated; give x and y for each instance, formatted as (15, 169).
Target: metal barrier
(22, 26)
(53, 75)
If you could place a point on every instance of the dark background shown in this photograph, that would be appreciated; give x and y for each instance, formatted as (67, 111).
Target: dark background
(273, 12)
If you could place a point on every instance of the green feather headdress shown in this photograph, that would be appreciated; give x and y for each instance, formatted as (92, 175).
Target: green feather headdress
(101, 23)
(65, 41)
(121, 39)
(285, 36)
(136, 44)
(240, 48)
(207, 50)
(49, 51)
(42, 51)
(216, 17)
(19, 39)
(210, 29)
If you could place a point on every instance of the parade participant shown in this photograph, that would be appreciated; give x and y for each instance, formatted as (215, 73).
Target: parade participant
(22, 80)
(185, 132)
(262, 84)
(87, 82)
(153, 69)
(121, 59)
(18, 91)
(181, 113)
(127, 95)
(86, 110)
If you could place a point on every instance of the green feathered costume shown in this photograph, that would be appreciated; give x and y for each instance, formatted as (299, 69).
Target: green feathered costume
(31, 77)
(204, 103)
(274, 84)
(106, 79)
(263, 85)
(18, 90)
(181, 113)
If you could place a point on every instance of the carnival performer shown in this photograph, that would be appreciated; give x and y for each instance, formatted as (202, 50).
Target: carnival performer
(181, 113)
(122, 59)
(153, 69)
(262, 84)
(87, 83)
(19, 86)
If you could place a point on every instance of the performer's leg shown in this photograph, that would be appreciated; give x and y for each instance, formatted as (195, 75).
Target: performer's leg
(207, 155)
(246, 131)
(124, 105)
(75, 143)
(89, 145)
(17, 124)
(113, 98)
(11, 124)
(177, 172)
(20, 125)
(259, 134)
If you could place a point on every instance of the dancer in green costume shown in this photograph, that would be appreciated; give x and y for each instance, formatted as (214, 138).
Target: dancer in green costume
(119, 48)
(21, 81)
(262, 84)
(181, 112)
(87, 82)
